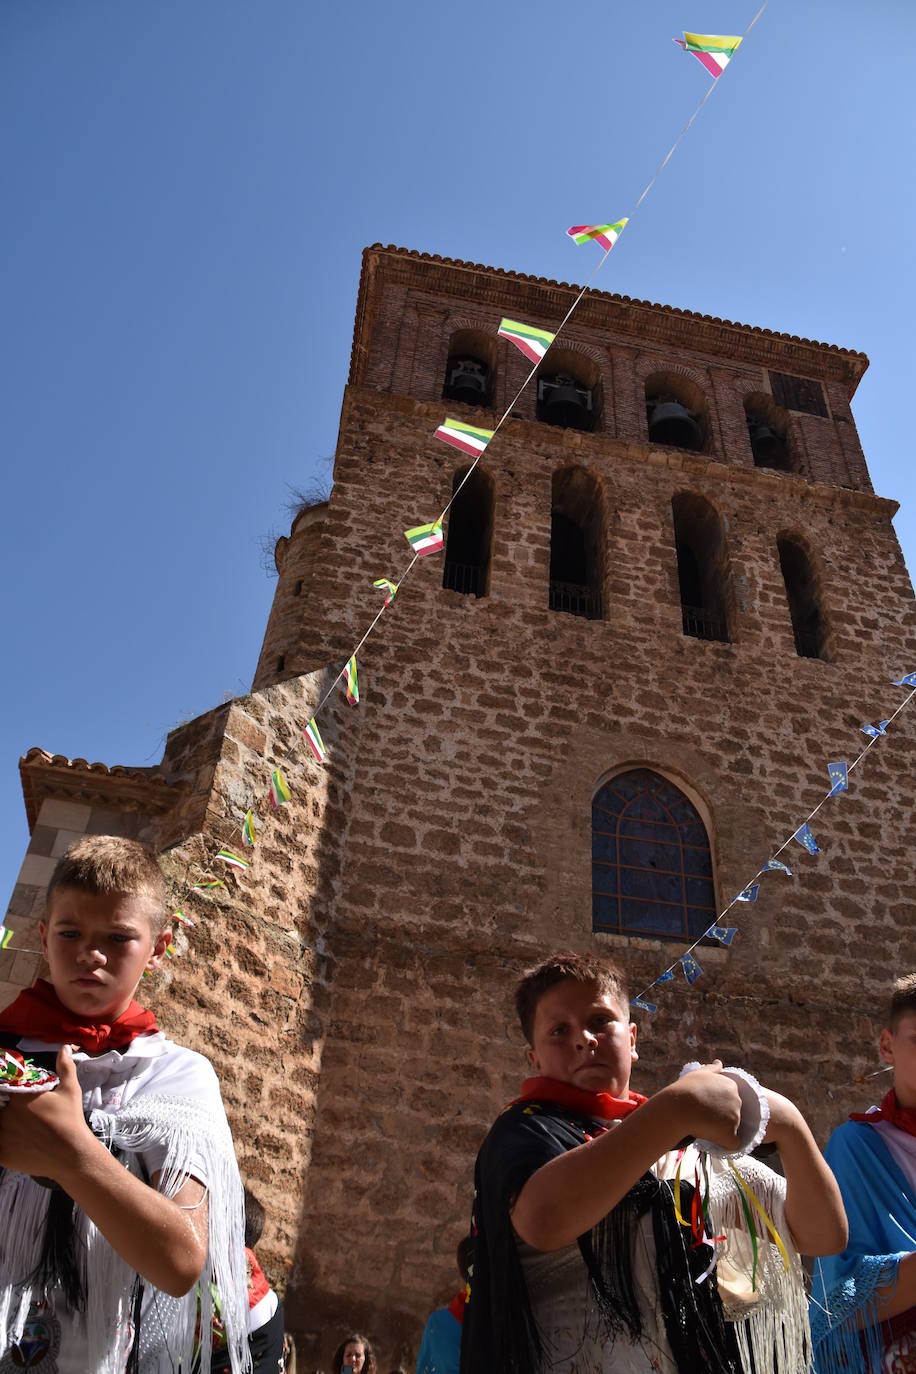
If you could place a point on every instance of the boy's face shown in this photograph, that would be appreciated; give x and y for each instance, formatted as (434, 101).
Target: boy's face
(899, 1048)
(97, 948)
(584, 1037)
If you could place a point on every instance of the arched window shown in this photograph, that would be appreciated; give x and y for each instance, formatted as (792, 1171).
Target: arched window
(702, 567)
(570, 393)
(675, 412)
(576, 544)
(808, 624)
(651, 864)
(470, 534)
(767, 429)
(470, 368)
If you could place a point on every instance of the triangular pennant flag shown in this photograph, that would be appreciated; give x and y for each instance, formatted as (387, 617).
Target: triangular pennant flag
(873, 731)
(773, 865)
(182, 919)
(749, 894)
(233, 860)
(389, 588)
(207, 884)
(643, 1004)
(170, 950)
(908, 680)
(839, 776)
(469, 438)
(279, 788)
(806, 839)
(424, 539)
(690, 966)
(604, 234)
(351, 682)
(533, 342)
(316, 743)
(724, 934)
(5, 936)
(248, 836)
(715, 51)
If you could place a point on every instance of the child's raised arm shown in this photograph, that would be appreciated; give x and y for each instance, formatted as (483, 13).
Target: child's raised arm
(572, 1193)
(814, 1207)
(47, 1136)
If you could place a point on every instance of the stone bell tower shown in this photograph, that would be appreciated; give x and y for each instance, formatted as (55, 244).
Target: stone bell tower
(668, 597)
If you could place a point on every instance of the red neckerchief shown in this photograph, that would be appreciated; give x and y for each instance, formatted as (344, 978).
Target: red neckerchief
(456, 1306)
(39, 1014)
(904, 1118)
(600, 1105)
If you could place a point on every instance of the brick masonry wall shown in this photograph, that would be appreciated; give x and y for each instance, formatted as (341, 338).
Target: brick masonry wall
(354, 988)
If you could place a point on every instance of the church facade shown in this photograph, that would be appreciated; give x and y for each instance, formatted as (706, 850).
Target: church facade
(668, 598)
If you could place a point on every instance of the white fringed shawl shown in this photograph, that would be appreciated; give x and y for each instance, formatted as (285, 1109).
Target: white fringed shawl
(195, 1139)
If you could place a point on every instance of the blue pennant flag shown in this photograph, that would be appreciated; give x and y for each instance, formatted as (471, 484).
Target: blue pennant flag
(749, 894)
(772, 865)
(908, 680)
(665, 977)
(839, 776)
(725, 934)
(643, 1004)
(873, 731)
(806, 839)
(691, 968)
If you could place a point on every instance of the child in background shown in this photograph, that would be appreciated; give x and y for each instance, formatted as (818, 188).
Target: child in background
(440, 1348)
(863, 1312)
(581, 1261)
(265, 1310)
(119, 1191)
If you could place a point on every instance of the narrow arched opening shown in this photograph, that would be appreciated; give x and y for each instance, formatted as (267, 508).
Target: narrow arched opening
(470, 368)
(767, 430)
(675, 412)
(576, 544)
(470, 534)
(702, 568)
(808, 624)
(569, 394)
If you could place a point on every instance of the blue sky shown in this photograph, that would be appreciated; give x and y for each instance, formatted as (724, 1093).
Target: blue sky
(188, 186)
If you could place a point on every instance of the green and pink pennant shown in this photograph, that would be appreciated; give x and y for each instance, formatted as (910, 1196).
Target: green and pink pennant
(5, 936)
(315, 742)
(533, 342)
(279, 788)
(248, 835)
(424, 539)
(182, 919)
(228, 856)
(468, 438)
(351, 681)
(384, 584)
(207, 885)
(604, 234)
(714, 50)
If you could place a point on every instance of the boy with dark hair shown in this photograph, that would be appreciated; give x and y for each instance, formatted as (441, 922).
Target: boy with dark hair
(587, 1258)
(440, 1346)
(119, 1191)
(863, 1313)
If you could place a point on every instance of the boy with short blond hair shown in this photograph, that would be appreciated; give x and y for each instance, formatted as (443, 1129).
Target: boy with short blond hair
(120, 1199)
(588, 1258)
(863, 1315)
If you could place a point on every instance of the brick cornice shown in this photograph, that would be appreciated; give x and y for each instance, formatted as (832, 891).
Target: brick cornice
(54, 776)
(547, 301)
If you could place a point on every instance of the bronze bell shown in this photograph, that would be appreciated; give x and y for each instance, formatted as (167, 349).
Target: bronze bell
(673, 426)
(467, 381)
(768, 447)
(567, 404)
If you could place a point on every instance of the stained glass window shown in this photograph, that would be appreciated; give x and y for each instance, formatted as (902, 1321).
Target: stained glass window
(651, 865)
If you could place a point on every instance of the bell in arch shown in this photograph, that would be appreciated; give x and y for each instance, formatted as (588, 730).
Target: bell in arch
(468, 380)
(672, 425)
(768, 447)
(567, 403)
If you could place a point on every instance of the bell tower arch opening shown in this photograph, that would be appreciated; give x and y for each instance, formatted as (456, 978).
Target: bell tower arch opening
(569, 393)
(808, 624)
(768, 430)
(470, 533)
(471, 368)
(577, 544)
(702, 567)
(676, 412)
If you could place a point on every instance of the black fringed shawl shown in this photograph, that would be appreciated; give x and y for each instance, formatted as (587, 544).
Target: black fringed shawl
(500, 1331)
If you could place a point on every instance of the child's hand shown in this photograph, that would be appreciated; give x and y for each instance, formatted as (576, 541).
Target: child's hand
(41, 1134)
(709, 1105)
